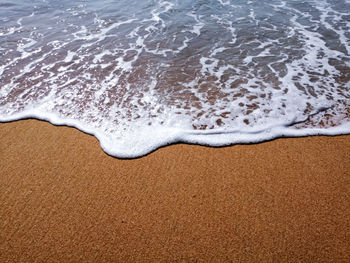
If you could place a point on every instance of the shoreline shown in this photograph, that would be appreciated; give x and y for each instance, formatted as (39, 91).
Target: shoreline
(64, 199)
(332, 131)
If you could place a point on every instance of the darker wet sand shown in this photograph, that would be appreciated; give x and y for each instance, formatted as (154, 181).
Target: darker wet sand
(62, 199)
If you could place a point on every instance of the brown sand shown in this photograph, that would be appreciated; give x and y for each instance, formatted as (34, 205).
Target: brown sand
(62, 199)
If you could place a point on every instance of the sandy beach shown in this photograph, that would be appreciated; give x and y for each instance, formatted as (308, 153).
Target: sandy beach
(62, 199)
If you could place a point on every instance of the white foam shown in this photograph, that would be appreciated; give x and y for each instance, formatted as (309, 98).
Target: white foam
(143, 141)
(69, 57)
(196, 29)
(169, 73)
(224, 2)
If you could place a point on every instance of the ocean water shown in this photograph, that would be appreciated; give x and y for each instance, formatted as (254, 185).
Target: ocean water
(142, 74)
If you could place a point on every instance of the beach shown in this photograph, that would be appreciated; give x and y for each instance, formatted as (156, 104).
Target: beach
(133, 77)
(62, 199)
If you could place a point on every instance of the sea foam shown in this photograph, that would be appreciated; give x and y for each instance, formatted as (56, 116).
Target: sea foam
(142, 75)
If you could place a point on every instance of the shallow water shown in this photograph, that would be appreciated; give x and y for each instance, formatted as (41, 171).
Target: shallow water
(148, 73)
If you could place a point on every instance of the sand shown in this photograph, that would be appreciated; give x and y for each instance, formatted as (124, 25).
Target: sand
(62, 199)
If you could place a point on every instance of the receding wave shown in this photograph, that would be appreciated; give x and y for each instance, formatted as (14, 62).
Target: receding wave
(142, 74)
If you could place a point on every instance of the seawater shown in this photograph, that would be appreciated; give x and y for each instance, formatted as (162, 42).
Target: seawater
(142, 74)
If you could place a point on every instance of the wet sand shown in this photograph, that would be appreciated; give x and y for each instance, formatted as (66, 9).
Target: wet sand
(62, 199)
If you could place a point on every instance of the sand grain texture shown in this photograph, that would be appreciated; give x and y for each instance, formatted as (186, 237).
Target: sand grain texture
(62, 199)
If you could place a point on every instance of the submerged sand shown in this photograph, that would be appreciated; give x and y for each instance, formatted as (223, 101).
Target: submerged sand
(63, 199)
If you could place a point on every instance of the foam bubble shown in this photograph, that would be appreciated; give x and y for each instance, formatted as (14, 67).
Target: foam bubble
(145, 74)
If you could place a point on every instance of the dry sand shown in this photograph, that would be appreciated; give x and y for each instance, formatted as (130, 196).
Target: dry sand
(62, 199)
